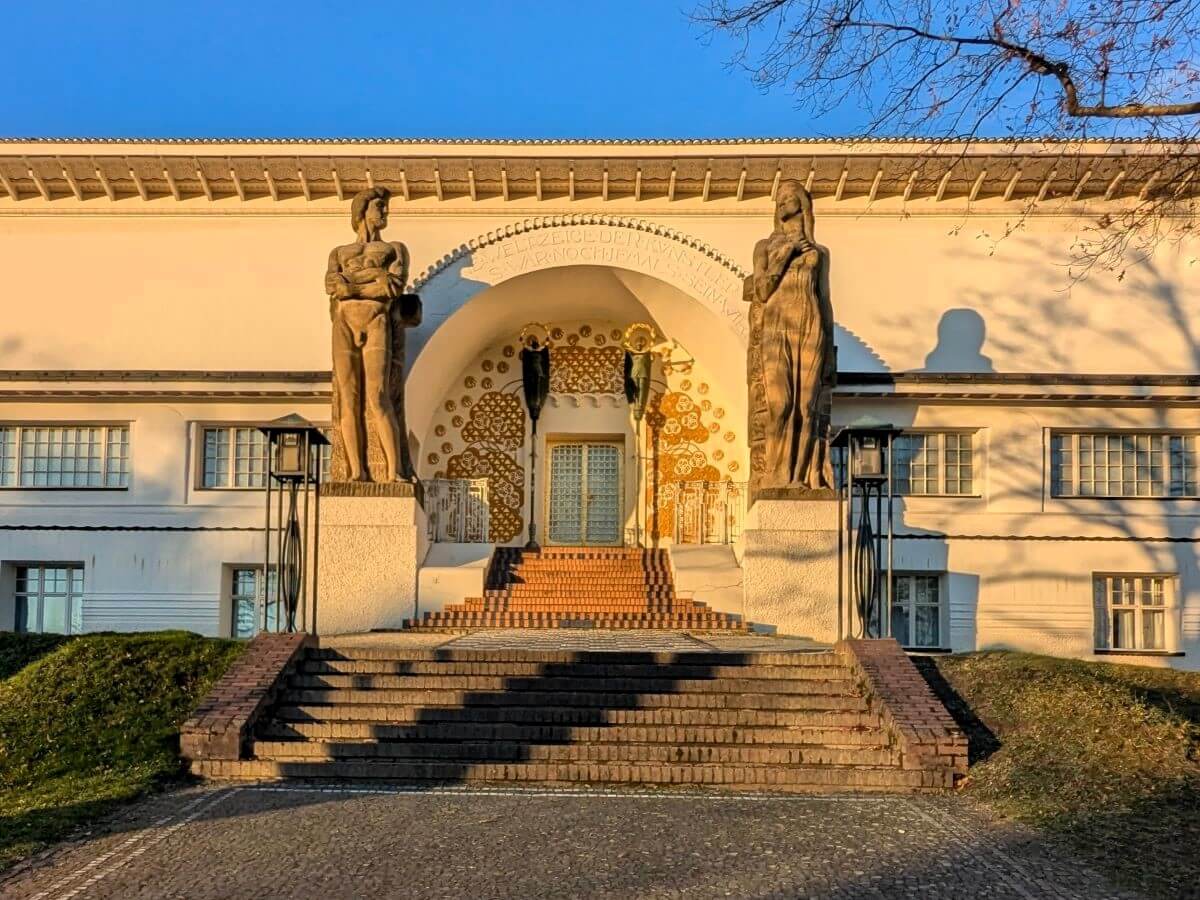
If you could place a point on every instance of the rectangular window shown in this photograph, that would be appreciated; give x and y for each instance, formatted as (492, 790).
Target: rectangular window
(64, 456)
(235, 457)
(1132, 611)
(247, 597)
(927, 463)
(933, 463)
(49, 598)
(917, 610)
(1123, 464)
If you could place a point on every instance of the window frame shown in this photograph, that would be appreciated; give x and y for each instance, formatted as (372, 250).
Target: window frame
(942, 605)
(1054, 485)
(1102, 615)
(201, 427)
(941, 433)
(74, 600)
(233, 598)
(19, 426)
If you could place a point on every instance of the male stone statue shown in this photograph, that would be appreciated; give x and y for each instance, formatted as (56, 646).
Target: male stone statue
(792, 363)
(365, 282)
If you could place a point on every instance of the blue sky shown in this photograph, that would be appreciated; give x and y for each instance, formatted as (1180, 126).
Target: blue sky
(310, 68)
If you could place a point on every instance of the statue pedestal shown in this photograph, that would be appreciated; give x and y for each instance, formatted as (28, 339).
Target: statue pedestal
(790, 564)
(372, 543)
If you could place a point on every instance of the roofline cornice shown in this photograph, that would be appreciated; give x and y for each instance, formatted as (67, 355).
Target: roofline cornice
(482, 147)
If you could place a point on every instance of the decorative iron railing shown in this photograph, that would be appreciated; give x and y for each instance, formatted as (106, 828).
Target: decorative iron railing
(456, 510)
(709, 512)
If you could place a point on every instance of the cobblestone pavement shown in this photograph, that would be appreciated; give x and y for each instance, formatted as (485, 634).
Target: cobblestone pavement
(268, 841)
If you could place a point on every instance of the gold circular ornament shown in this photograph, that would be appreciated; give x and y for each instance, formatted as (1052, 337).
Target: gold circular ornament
(433, 459)
(685, 385)
(447, 447)
(639, 337)
(534, 336)
(469, 382)
(719, 412)
(486, 384)
(450, 406)
(585, 330)
(733, 465)
(457, 421)
(703, 388)
(615, 334)
(509, 350)
(466, 401)
(730, 437)
(487, 365)
(502, 367)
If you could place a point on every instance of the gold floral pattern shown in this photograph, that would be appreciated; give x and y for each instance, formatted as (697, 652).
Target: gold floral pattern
(497, 419)
(677, 433)
(575, 369)
(506, 487)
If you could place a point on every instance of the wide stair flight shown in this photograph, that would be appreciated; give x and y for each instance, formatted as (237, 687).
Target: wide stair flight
(779, 721)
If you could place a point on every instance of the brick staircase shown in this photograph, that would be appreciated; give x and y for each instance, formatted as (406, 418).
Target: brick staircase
(581, 587)
(778, 721)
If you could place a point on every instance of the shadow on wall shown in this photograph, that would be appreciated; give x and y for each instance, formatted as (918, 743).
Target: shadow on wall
(960, 337)
(1032, 328)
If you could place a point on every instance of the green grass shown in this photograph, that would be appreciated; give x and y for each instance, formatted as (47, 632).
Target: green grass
(89, 722)
(1105, 756)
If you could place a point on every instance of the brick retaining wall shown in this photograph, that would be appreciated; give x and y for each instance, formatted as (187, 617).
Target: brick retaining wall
(928, 738)
(222, 723)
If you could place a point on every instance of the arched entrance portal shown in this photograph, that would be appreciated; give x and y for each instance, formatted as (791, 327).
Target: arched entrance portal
(598, 480)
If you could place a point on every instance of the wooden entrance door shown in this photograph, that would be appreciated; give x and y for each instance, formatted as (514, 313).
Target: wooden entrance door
(584, 499)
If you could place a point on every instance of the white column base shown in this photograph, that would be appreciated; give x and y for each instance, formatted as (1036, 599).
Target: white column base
(790, 567)
(371, 548)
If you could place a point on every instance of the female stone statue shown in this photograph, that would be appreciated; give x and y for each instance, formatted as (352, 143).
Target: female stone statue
(795, 352)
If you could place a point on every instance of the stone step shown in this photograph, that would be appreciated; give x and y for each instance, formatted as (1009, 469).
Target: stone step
(849, 736)
(574, 684)
(383, 700)
(513, 751)
(818, 672)
(740, 777)
(564, 716)
(333, 649)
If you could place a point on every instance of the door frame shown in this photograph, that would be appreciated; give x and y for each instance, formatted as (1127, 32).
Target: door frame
(611, 440)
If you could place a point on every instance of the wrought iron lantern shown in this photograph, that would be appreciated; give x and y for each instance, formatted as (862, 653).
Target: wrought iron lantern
(866, 481)
(293, 488)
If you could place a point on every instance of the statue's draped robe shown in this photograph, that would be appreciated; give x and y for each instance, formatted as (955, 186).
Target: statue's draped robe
(793, 369)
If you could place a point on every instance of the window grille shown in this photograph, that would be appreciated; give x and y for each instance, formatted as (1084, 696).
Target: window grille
(247, 598)
(49, 598)
(64, 456)
(917, 610)
(927, 463)
(1123, 464)
(234, 456)
(1131, 611)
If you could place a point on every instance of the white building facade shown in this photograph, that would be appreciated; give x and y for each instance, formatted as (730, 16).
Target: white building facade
(163, 299)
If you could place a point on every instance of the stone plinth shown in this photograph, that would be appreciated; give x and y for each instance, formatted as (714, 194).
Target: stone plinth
(373, 540)
(790, 566)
